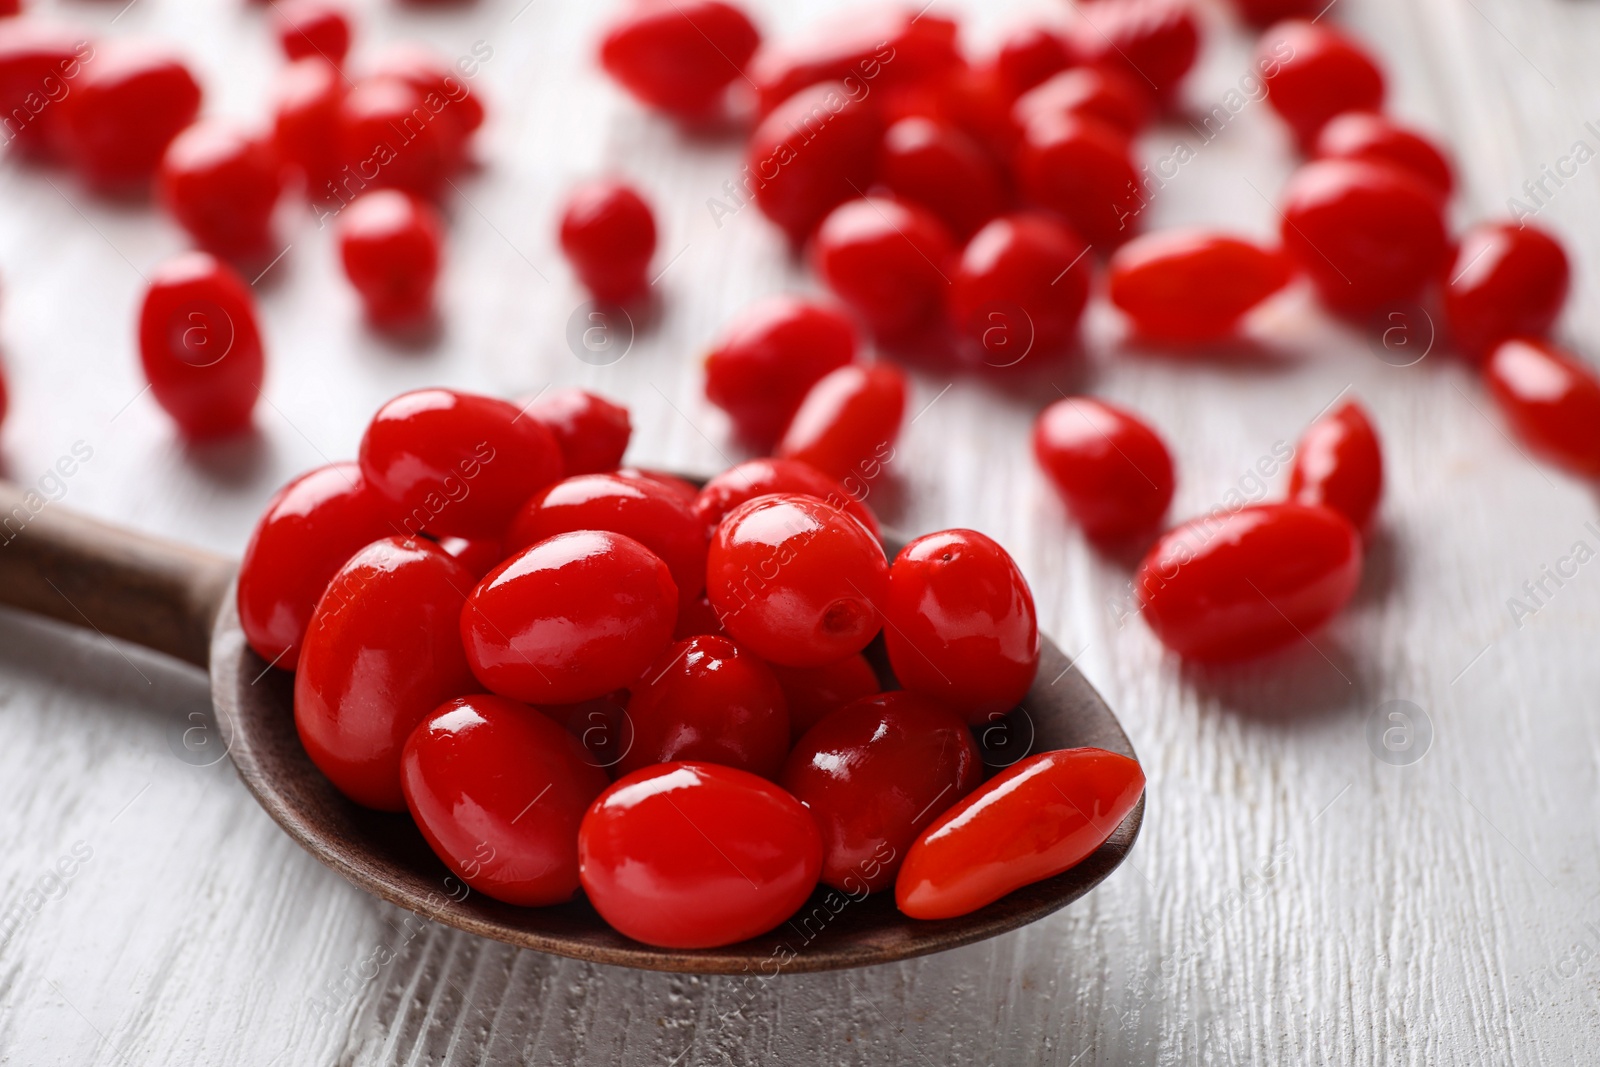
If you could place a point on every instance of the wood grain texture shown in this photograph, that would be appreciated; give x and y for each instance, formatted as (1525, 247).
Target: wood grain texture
(1291, 900)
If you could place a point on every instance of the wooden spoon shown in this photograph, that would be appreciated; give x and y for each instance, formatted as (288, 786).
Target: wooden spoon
(179, 601)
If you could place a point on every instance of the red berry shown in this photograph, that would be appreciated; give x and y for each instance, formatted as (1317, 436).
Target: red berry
(847, 425)
(499, 791)
(693, 855)
(1339, 465)
(679, 56)
(937, 166)
(869, 51)
(479, 555)
(1193, 285)
(1096, 92)
(126, 107)
(310, 528)
(306, 101)
(814, 693)
(448, 462)
(1022, 283)
(1155, 42)
(313, 28)
(1551, 398)
(569, 619)
(38, 60)
(1029, 55)
(382, 651)
(770, 356)
(873, 775)
(389, 242)
(1244, 583)
(592, 431)
(443, 90)
(199, 345)
(888, 261)
(609, 234)
(646, 511)
(1367, 234)
(1375, 138)
(1266, 12)
(221, 184)
(1506, 281)
(706, 699)
(1313, 72)
(1037, 818)
(1082, 169)
(961, 627)
(796, 581)
(814, 152)
(759, 477)
(389, 137)
(1111, 469)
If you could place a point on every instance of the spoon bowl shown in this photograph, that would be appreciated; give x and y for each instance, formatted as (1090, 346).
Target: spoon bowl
(180, 601)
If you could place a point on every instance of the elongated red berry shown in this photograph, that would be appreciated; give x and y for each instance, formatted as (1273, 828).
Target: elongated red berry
(200, 346)
(609, 234)
(221, 183)
(592, 431)
(1339, 464)
(1082, 169)
(679, 55)
(382, 651)
(390, 244)
(797, 581)
(847, 426)
(938, 166)
(1037, 818)
(448, 462)
(310, 528)
(123, 111)
(1193, 285)
(1112, 470)
(1314, 72)
(1249, 582)
(889, 262)
(1021, 285)
(1506, 281)
(1551, 398)
(1367, 234)
(814, 152)
(499, 791)
(571, 618)
(961, 627)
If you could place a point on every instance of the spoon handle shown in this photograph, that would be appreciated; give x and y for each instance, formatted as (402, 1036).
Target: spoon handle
(124, 584)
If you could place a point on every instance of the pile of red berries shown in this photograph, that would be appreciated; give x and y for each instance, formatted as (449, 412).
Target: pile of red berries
(486, 613)
(935, 192)
(370, 150)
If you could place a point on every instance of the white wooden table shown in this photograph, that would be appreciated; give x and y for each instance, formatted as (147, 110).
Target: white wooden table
(1293, 899)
